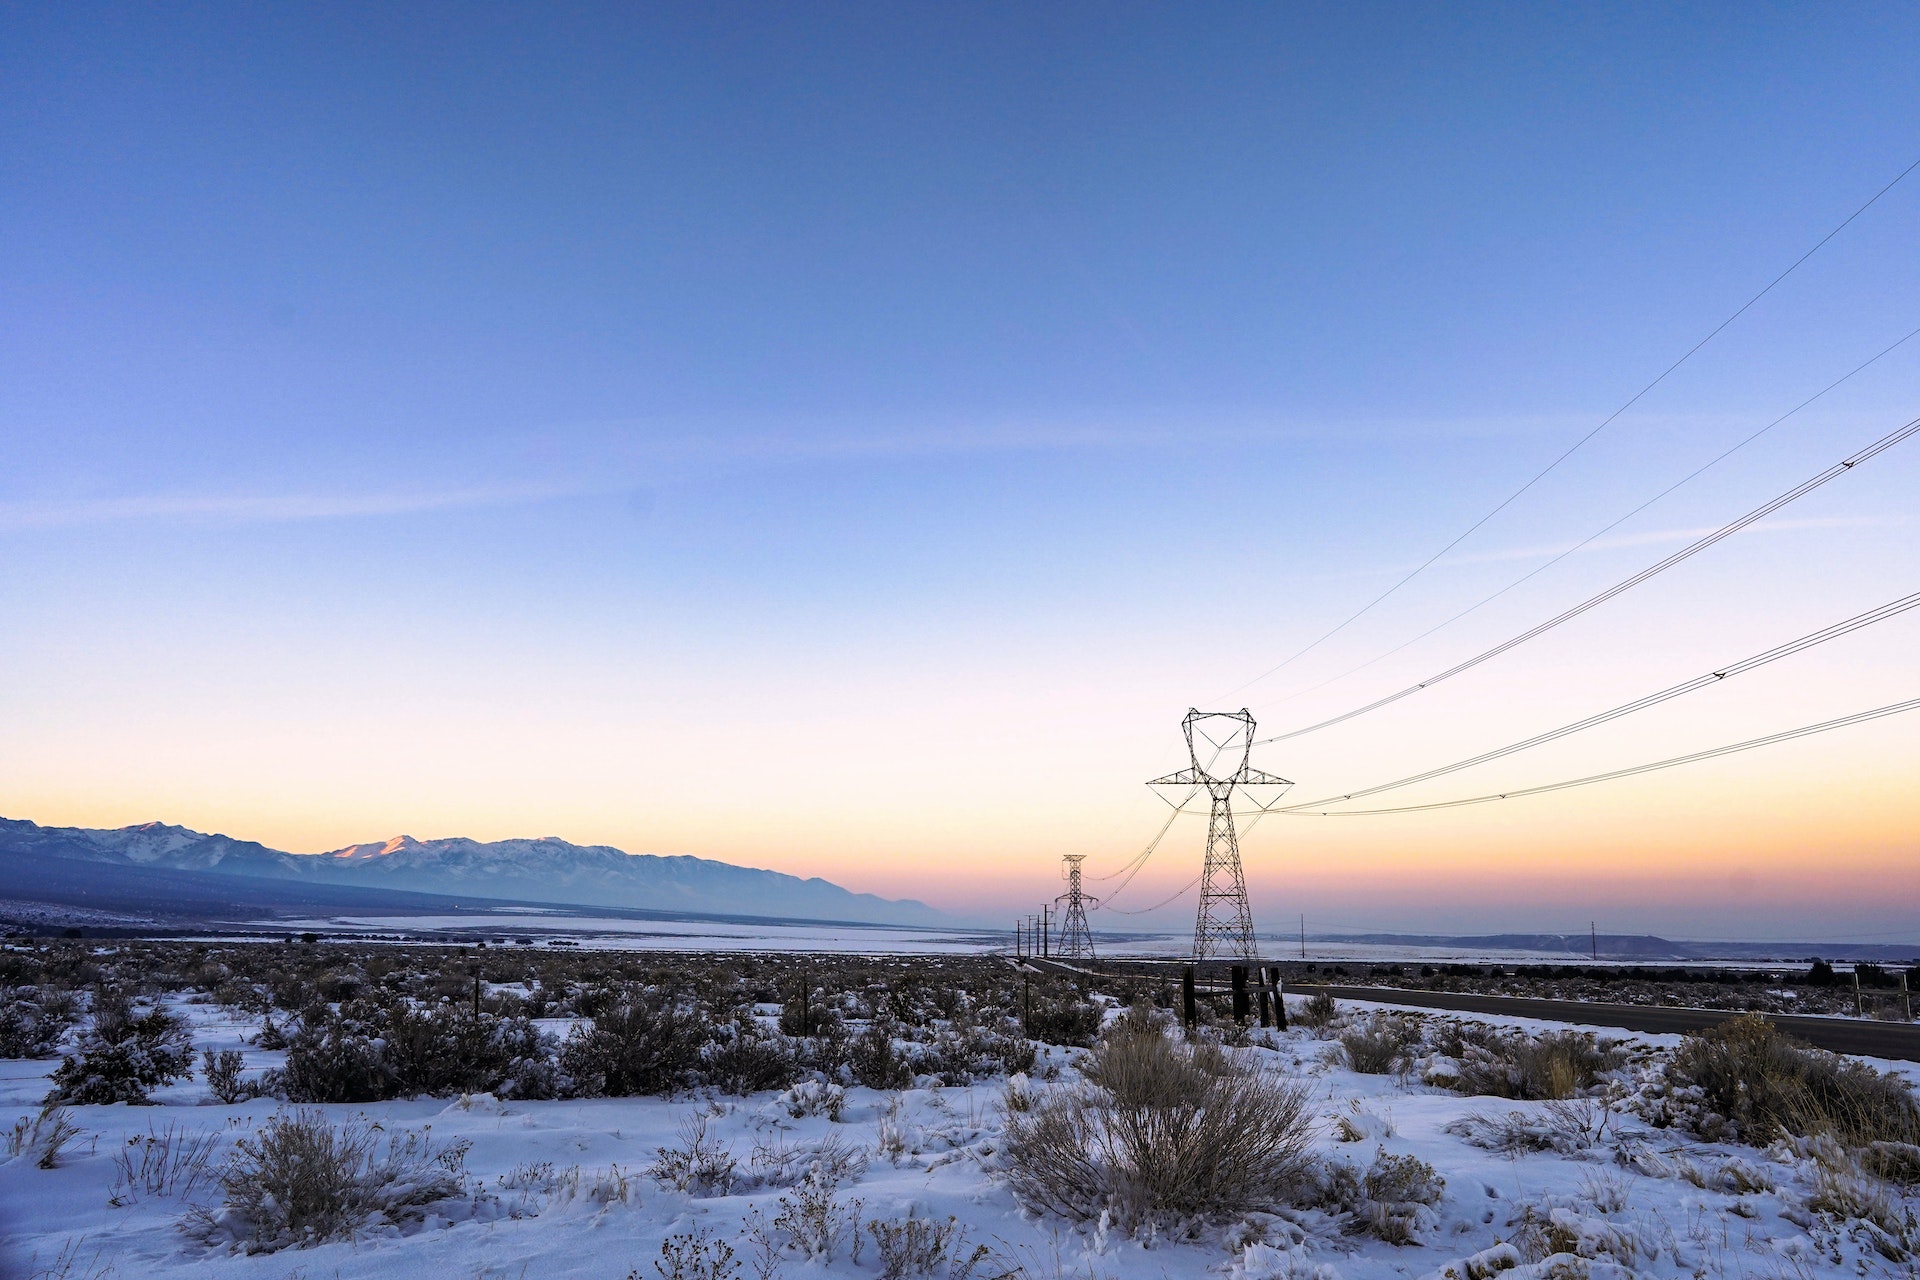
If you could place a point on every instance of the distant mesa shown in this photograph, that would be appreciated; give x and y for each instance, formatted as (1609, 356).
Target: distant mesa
(545, 870)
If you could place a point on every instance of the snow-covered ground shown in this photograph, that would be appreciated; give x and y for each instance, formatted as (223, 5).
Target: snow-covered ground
(564, 1189)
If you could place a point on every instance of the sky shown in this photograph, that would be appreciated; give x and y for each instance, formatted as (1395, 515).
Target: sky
(847, 439)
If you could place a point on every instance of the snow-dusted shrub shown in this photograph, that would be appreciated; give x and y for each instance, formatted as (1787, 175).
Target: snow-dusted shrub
(300, 1181)
(1399, 1192)
(693, 1255)
(748, 1060)
(915, 1247)
(222, 1071)
(32, 1021)
(777, 1163)
(122, 1054)
(334, 1059)
(446, 1050)
(644, 1043)
(1158, 1132)
(962, 1056)
(1357, 1124)
(1384, 1043)
(814, 1098)
(875, 1060)
(1064, 1018)
(1483, 1265)
(813, 1220)
(701, 1165)
(1746, 1081)
(1551, 1233)
(1553, 1064)
(1565, 1126)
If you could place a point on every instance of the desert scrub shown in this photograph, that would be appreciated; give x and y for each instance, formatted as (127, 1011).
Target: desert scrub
(122, 1054)
(32, 1021)
(1554, 1064)
(1384, 1043)
(1746, 1081)
(301, 1181)
(1158, 1132)
(642, 1043)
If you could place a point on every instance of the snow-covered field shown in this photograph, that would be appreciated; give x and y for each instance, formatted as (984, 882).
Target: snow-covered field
(568, 1188)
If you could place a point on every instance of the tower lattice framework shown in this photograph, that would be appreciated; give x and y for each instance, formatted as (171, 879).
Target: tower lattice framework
(1076, 939)
(1224, 924)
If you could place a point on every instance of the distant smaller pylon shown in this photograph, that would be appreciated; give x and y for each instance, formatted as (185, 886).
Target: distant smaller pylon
(1076, 939)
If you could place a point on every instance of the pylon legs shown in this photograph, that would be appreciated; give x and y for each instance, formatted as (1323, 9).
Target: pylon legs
(1225, 923)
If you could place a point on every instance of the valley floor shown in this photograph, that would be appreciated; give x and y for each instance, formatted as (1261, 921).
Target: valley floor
(567, 1189)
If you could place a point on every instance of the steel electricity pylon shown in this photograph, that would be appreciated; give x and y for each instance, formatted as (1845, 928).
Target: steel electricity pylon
(1225, 922)
(1076, 940)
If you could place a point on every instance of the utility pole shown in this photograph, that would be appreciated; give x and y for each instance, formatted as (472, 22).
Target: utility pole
(1593, 928)
(1303, 935)
(1046, 931)
(1225, 921)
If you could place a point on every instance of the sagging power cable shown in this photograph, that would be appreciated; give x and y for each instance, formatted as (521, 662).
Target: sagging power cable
(1578, 444)
(1892, 608)
(1786, 735)
(1604, 530)
(1594, 601)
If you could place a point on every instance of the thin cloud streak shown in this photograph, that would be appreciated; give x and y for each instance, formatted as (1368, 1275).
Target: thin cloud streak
(242, 508)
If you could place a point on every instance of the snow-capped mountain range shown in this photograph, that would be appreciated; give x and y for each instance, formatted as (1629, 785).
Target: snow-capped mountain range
(548, 869)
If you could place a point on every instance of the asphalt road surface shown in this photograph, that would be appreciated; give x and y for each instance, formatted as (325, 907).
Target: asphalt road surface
(1841, 1035)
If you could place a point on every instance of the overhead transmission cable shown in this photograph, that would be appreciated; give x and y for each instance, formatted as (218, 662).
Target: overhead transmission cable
(1165, 902)
(1889, 610)
(1604, 530)
(1725, 531)
(1786, 735)
(1578, 444)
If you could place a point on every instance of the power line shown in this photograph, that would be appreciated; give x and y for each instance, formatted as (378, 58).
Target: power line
(1891, 609)
(1576, 446)
(1691, 549)
(1597, 534)
(1787, 735)
(1156, 906)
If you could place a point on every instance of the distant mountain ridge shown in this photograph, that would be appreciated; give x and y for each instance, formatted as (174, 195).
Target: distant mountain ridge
(547, 869)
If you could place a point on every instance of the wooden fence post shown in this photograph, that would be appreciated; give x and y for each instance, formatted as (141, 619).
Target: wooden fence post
(1189, 1008)
(1241, 1005)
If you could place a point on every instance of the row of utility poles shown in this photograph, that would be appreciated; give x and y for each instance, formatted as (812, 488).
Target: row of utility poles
(1032, 936)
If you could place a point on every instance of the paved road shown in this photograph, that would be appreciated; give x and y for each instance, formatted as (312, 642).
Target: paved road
(1841, 1035)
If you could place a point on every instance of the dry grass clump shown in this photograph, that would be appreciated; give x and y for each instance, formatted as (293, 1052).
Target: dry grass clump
(1318, 1014)
(301, 1181)
(1553, 1065)
(1385, 1043)
(1159, 1132)
(1752, 1084)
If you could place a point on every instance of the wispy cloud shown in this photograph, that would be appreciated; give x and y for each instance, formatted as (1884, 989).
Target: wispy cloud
(244, 508)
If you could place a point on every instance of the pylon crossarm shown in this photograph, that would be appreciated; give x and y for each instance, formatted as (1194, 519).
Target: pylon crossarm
(1184, 778)
(1252, 777)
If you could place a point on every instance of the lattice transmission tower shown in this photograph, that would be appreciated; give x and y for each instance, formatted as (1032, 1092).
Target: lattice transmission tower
(1225, 922)
(1076, 939)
